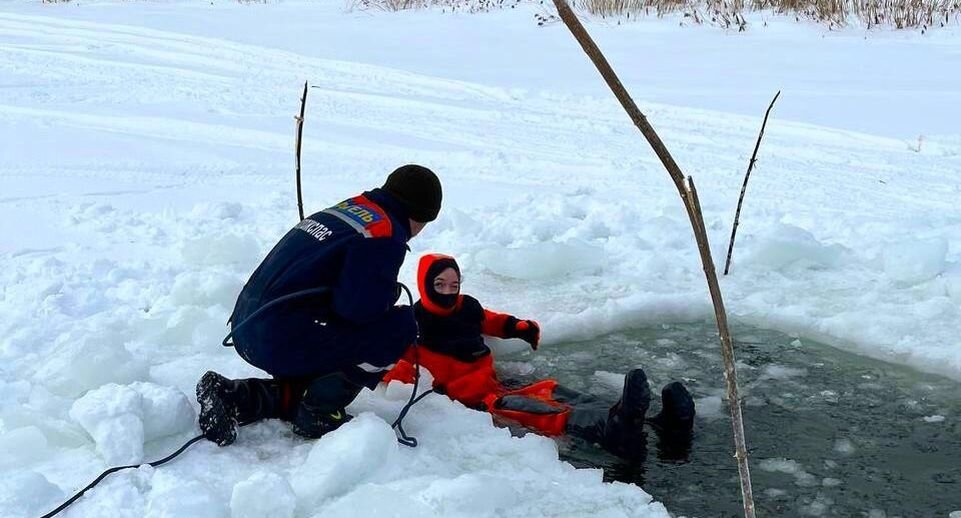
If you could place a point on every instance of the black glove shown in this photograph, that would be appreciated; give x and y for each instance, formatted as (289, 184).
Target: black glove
(526, 330)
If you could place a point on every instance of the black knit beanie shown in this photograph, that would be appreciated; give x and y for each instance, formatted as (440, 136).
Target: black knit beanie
(417, 189)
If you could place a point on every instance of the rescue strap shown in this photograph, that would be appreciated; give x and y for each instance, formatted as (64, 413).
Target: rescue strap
(405, 439)
(290, 296)
(103, 475)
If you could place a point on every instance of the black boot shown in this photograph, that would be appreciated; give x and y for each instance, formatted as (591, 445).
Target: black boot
(620, 430)
(623, 434)
(226, 404)
(677, 411)
(322, 408)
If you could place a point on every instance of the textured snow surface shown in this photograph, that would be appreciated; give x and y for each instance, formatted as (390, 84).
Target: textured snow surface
(120, 418)
(146, 168)
(263, 495)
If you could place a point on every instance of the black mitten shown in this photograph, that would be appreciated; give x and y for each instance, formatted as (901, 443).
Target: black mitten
(526, 330)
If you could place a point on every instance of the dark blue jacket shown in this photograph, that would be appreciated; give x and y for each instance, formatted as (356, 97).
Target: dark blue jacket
(354, 248)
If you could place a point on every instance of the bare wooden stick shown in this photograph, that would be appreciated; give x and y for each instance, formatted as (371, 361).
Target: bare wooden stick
(727, 351)
(750, 167)
(297, 148)
(692, 205)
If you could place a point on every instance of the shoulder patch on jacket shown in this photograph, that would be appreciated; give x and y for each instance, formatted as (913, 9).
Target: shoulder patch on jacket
(364, 216)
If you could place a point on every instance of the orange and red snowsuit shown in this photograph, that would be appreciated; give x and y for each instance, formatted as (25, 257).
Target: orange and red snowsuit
(452, 348)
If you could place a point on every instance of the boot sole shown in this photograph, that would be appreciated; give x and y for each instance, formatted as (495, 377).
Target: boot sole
(680, 419)
(636, 396)
(217, 422)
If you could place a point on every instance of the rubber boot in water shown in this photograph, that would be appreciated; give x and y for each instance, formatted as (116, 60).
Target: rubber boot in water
(677, 411)
(322, 408)
(624, 430)
(226, 404)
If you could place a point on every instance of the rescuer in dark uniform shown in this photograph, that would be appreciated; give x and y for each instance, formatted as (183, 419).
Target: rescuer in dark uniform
(318, 314)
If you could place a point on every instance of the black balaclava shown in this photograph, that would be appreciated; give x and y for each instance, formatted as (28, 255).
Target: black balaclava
(435, 269)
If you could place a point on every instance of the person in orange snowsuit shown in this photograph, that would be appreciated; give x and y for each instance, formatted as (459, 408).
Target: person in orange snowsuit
(451, 327)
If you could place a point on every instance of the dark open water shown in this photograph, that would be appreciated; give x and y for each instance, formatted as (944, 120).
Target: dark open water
(829, 433)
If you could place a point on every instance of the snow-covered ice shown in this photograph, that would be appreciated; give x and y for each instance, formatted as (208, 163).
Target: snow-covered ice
(915, 261)
(120, 418)
(146, 168)
(25, 493)
(23, 445)
(263, 495)
(350, 456)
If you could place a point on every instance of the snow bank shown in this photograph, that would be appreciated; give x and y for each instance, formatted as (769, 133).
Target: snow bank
(346, 458)
(542, 261)
(472, 495)
(121, 418)
(463, 467)
(173, 496)
(785, 246)
(378, 501)
(77, 365)
(263, 495)
(914, 261)
(22, 446)
(469, 468)
(23, 493)
(946, 145)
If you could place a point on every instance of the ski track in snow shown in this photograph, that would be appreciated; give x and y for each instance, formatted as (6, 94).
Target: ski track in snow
(154, 171)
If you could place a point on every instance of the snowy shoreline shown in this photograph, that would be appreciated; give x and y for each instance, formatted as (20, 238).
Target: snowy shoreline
(146, 164)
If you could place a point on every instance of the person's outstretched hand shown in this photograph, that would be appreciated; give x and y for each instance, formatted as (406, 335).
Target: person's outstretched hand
(529, 331)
